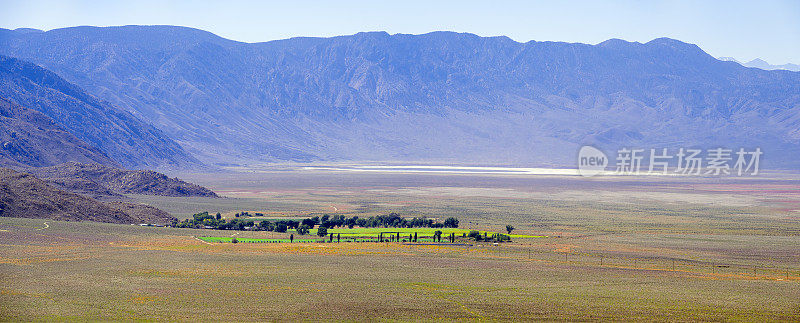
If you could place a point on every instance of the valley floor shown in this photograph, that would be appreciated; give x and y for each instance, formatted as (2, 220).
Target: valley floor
(644, 249)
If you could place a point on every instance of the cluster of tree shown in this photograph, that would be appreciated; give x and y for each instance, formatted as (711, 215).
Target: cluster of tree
(206, 221)
(393, 220)
(200, 220)
(495, 237)
(247, 214)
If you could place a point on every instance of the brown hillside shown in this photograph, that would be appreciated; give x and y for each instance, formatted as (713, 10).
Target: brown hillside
(23, 195)
(79, 177)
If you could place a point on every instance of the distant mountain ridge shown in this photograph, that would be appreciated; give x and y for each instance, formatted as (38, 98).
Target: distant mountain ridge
(121, 136)
(760, 63)
(437, 97)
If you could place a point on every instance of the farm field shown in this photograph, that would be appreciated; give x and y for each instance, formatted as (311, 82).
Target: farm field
(584, 249)
(306, 240)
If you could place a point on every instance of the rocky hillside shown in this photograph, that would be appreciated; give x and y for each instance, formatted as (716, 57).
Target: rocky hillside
(23, 195)
(95, 179)
(30, 138)
(441, 96)
(117, 133)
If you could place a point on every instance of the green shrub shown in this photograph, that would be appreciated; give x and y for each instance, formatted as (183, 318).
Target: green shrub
(451, 223)
(302, 229)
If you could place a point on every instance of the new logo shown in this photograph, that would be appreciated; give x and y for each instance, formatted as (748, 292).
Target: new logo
(591, 161)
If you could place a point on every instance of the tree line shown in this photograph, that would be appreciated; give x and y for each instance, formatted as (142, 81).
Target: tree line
(205, 220)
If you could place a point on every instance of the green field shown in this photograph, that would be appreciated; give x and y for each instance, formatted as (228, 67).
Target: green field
(404, 232)
(251, 240)
(631, 251)
(422, 233)
(302, 240)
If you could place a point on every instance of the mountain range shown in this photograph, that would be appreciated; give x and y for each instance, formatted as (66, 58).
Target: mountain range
(114, 132)
(436, 97)
(762, 64)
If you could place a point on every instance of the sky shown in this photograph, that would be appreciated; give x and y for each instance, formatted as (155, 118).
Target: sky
(743, 30)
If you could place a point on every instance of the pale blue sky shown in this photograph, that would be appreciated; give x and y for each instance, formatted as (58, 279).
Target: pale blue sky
(740, 29)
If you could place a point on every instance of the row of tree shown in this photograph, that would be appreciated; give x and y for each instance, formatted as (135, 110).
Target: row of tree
(392, 220)
(495, 237)
(205, 220)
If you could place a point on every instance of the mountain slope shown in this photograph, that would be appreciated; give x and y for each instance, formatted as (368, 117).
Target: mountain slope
(119, 181)
(29, 138)
(440, 96)
(120, 135)
(23, 195)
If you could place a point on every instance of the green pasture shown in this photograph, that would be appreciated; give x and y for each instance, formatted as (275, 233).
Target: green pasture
(252, 240)
(374, 232)
(318, 239)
